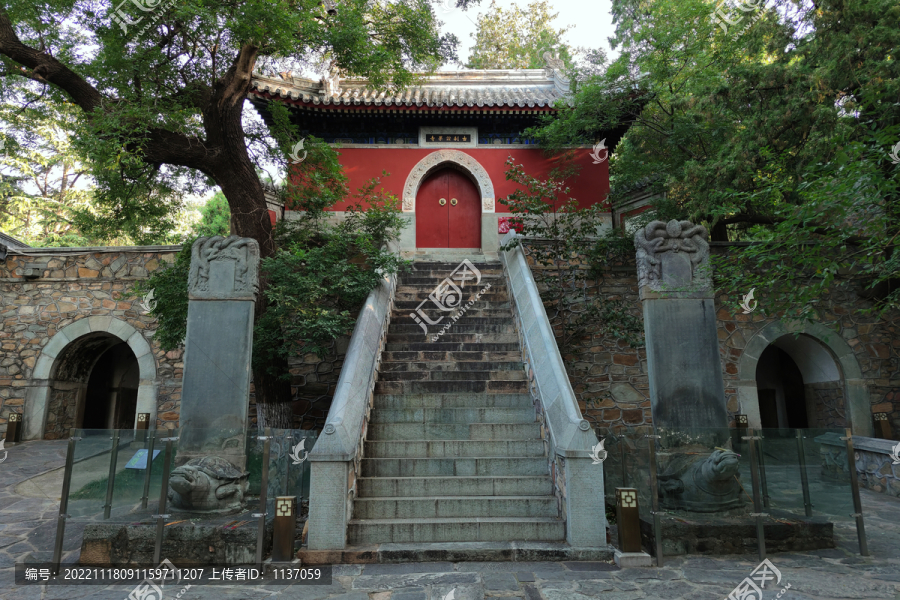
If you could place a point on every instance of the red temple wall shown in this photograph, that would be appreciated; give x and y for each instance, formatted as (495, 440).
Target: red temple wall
(590, 186)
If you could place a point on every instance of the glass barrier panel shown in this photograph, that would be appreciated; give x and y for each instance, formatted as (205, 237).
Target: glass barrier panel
(706, 492)
(90, 469)
(626, 465)
(826, 469)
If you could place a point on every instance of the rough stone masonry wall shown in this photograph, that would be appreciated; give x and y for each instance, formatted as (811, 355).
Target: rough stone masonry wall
(610, 378)
(313, 382)
(68, 288)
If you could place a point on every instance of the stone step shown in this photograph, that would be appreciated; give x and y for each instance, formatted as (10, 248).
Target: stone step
(444, 346)
(453, 431)
(455, 486)
(401, 318)
(418, 295)
(445, 267)
(454, 448)
(453, 552)
(455, 467)
(452, 337)
(408, 306)
(462, 529)
(449, 387)
(454, 415)
(456, 327)
(455, 506)
(495, 358)
(422, 401)
(439, 365)
(463, 375)
(430, 278)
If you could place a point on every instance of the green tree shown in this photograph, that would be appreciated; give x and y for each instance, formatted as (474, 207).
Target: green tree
(570, 254)
(518, 38)
(776, 130)
(162, 95)
(45, 181)
(215, 217)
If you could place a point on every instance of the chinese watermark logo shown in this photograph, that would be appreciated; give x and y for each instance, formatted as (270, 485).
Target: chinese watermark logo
(751, 587)
(745, 303)
(598, 148)
(448, 5)
(895, 454)
(3, 450)
(894, 153)
(599, 453)
(729, 19)
(451, 595)
(148, 303)
(151, 589)
(123, 20)
(296, 450)
(295, 152)
(447, 296)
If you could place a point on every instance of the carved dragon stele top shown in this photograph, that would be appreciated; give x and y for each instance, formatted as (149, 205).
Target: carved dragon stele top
(241, 282)
(673, 258)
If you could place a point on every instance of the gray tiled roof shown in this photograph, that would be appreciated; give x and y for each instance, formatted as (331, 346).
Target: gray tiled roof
(11, 242)
(514, 88)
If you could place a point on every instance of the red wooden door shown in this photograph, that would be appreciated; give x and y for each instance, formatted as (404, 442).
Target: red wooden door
(448, 212)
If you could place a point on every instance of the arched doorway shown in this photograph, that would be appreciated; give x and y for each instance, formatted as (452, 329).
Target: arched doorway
(783, 358)
(782, 396)
(97, 372)
(448, 211)
(110, 399)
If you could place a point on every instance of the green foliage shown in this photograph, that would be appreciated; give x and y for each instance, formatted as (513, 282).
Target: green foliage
(778, 132)
(160, 102)
(321, 275)
(169, 287)
(318, 280)
(518, 38)
(43, 181)
(215, 217)
(569, 257)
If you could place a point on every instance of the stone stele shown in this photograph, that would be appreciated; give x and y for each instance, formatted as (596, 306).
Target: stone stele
(222, 288)
(687, 391)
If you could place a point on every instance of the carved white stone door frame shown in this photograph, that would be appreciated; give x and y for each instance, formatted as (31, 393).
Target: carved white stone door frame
(448, 158)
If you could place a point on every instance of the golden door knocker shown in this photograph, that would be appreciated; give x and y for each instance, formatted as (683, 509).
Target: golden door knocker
(453, 201)
(442, 201)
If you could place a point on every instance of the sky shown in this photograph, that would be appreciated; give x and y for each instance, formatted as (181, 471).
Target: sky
(591, 21)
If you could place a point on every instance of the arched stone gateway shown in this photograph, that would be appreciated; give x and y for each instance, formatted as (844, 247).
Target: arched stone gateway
(454, 159)
(474, 172)
(829, 370)
(59, 381)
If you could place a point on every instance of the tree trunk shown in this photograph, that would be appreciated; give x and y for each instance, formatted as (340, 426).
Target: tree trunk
(250, 218)
(719, 232)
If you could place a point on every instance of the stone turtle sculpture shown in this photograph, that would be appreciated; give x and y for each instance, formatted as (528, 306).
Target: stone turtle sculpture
(702, 484)
(209, 483)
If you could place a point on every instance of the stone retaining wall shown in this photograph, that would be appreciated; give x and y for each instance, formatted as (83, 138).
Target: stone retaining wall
(610, 378)
(42, 291)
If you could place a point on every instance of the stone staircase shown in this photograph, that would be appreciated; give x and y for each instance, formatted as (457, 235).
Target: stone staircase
(453, 451)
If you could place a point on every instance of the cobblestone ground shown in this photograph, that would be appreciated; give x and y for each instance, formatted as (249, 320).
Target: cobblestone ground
(28, 524)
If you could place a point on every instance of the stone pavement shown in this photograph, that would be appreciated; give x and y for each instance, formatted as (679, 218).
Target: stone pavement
(28, 524)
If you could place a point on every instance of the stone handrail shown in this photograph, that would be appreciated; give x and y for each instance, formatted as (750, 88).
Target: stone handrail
(577, 480)
(335, 459)
(571, 435)
(340, 438)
